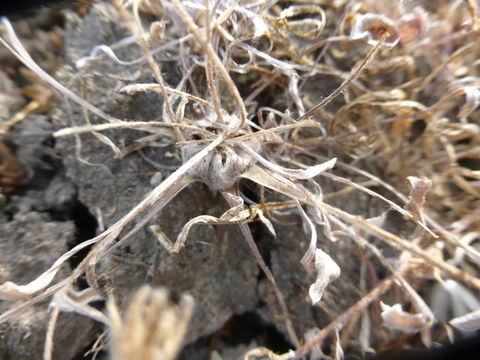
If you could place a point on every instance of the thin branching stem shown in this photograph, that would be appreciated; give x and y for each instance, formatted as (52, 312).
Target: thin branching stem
(141, 125)
(343, 318)
(354, 74)
(406, 245)
(137, 31)
(209, 68)
(19, 51)
(52, 323)
(281, 300)
(207, 47)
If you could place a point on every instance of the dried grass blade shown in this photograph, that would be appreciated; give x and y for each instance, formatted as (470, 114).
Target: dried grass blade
(19, 51)
(396, 318)
(266, 132)
(140, 125)
(342, 319)
(296, 191)
(11, 291)
(275, 182)
(134, 88)
(301, 174)
(469, 322)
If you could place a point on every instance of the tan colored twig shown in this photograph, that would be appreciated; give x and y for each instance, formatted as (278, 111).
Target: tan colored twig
(76, 130)
(52, 323)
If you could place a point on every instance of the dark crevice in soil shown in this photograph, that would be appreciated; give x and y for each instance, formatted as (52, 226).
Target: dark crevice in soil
(86, 225)
(259, 231)
(242, 329)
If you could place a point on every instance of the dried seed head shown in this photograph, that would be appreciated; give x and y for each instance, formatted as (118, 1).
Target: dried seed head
(220, 169)
(223, 166)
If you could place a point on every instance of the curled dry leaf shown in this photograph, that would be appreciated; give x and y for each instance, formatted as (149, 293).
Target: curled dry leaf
(395, 318)
(78, 302)
(231, 216)
(327, 271)
(308, 28)
(317, 260)
(418, 191)
(374, 27)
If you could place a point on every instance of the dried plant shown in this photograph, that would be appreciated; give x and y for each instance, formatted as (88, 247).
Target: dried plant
(366, 116)
(153, 327)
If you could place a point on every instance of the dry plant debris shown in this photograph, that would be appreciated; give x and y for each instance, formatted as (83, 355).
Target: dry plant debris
(405, 101)
(11, 172)
(153, 327)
